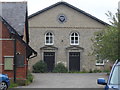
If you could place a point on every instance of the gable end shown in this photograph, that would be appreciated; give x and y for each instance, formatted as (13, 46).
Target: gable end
(71, 6)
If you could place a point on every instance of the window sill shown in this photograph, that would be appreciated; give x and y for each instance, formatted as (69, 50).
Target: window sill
(8, 70)
(48, 44)
(74, 44)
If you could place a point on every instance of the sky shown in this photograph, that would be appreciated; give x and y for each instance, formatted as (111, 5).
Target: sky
(97, 8)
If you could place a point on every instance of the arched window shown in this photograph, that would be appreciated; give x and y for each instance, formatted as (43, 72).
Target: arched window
(74, 38)
(49, 38)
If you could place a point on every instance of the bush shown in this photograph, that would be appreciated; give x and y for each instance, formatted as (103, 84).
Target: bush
(95, 71)
(40, 67)
(29, 78)
(60, 68)
(90, 71)
(12, 85)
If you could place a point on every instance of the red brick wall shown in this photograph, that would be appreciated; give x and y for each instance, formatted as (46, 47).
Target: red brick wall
(5, 33)
(21, 72)
(8, 50)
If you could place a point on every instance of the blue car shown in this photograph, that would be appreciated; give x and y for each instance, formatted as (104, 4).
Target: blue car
(113, 82)
(4, 82)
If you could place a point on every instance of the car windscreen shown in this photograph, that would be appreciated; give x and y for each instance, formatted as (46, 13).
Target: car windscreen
(115, 77)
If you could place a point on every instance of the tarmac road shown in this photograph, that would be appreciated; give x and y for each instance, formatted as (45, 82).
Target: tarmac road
(66, 80)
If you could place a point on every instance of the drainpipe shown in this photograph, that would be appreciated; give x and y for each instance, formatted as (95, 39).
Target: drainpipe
(14, 59)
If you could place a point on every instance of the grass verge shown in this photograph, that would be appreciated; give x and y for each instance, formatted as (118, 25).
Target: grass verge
(28, 81)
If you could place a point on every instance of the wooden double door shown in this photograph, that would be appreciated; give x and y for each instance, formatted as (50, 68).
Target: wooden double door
(49, 59)
(74, 61)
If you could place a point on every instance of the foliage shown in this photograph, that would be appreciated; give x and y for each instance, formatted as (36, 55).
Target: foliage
(105, 42)
(29, 78)
(91, 71)
(113, 18)
(40, 67)
(12, 85)
(96, 71)
(60, 68)
(78, 72)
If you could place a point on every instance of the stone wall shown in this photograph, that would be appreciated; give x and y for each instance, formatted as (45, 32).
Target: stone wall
(75, 22)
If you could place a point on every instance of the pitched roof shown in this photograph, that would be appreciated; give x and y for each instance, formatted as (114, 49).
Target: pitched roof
(15, 14)
(12, 31)
(71, 6)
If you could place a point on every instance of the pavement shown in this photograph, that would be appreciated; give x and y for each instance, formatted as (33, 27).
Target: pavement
(66, 80)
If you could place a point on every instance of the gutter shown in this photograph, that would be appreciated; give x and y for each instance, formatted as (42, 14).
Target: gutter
(33, 56)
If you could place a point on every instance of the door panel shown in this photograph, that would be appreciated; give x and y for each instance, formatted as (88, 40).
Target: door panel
(74, 61)
(49, 58)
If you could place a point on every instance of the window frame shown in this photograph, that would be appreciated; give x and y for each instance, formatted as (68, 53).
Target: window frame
(12, 62)
(49, 38)
(98, 59)
(20, 60)
(100, 64)
(74, 38)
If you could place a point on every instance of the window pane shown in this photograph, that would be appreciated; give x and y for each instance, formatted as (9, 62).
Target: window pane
(72, 38)
(47, 34)
(72, 41)
(100, 61)
(76, 38)
(47, 38)
(8, 63)
(76, 34)
(51, 41)
(20, 60)
(72, 34)
(50, 34)
(47, 41)
(115, 79)
(76, 41)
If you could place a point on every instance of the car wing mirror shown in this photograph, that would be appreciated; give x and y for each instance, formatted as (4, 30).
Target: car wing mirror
(101, 81)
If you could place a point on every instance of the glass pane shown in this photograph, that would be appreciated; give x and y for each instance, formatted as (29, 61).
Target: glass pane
(72, 41)
(97, 61)
(50, 34)
(100, 61)
(72, 38)
(8, 63)
(47, 38)
(115, 79)
(76, 38)
(20, 60)
(76, 34)
(51, 40)
(76, 41)
(72, 34)
(47, 41)
(47, 34)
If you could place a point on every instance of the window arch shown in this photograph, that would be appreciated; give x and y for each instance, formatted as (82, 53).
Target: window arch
(49, 38)
(74, 38)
